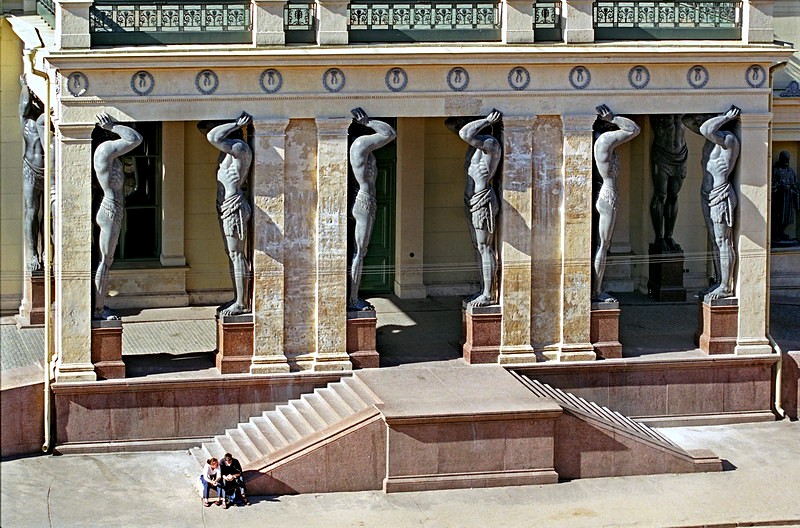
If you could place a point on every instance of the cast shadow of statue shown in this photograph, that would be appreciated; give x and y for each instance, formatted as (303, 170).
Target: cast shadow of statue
(268, 239)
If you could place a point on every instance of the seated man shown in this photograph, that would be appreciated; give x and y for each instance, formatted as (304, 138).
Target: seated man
(232, 481)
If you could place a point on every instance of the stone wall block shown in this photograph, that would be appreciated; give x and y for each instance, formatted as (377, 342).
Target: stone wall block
(268, 22)
(72, 24)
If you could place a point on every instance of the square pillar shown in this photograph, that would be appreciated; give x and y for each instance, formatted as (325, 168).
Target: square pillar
(757, 22)
(576, 240)
(515, 245)
(268, 23)
(172, 194)
(579, 21)
(331, 231)
(72, 24)
(518, 22)
(73, 254)
(268, 252)
(410, 211)
(107, 349)
(751, 234)
(332, 22)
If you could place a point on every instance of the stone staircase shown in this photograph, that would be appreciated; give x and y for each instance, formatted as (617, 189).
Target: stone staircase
(266, 436)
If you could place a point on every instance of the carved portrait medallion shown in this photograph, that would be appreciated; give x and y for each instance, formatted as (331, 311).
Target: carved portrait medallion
(206, 82)
(142, 83)
(271, 80)
(333, 80)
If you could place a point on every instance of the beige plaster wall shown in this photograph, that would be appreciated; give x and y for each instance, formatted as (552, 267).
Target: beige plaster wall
(208, 279)
(10, 171)
(450, 261)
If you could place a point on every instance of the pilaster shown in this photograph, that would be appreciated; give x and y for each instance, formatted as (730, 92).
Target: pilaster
(410, 210)
(515, 246)
(268, 253)
(518, 22)
(72, 24)
(268, 21)
(331, 236)
(579, 25)
(757, 22)
(332, 20)
(751, 234)
(172, 194)
(73, 254)
(576, 240)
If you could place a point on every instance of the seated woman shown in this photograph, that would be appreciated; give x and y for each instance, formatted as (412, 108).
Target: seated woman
(232, 481)
(212, 478)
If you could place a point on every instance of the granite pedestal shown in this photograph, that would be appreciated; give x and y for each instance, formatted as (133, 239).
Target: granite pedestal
(361, 331)
(107, 349)
(31, 311)
(604, 330)
(234, 343)
(718, 325)
(665, 282)
(482, 327)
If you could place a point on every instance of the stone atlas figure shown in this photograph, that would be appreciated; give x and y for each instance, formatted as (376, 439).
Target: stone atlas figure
(31, 117)
(108, 168)
(365, 170)
(722, 197)
(785, 199)
(233, 208)
(668, 158)
(480, 200)
(606, 163)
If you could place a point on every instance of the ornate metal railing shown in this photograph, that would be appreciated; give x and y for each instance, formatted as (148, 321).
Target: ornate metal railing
(547, 20)
(47, 10)
(660, 19)
(139, 22)
(298, 22)
(424, 21)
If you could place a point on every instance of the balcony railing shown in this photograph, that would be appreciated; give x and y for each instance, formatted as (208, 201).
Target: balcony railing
(667, 19)
(424, 21)
(142, 23)
(298, 22)
(547, 21)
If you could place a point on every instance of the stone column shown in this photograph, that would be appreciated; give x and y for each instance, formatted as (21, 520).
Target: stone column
(518, 22)
(268, 263)
(172, 194)
(331, 236)
(72, 24)
(516, 341)
(410, 210)
(579, 21)
(576, 240)
(332, 20)
(757, 22)
(73, 254)
(268, 22)
(751, 234)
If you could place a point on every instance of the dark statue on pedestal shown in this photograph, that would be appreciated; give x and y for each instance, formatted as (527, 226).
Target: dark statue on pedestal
(785, 201)
(668, 158)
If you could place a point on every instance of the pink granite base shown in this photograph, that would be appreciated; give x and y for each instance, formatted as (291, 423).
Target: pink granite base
(234, 344)
(107, 349)
(22, 394)
(790, 384)
(604, 330)
(482, 327)
(361, 338)
(719, 326)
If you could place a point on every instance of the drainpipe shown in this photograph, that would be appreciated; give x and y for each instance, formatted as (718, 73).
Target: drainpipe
(48, 256)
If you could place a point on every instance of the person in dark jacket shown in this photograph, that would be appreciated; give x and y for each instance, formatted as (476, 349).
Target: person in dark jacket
(232, 481)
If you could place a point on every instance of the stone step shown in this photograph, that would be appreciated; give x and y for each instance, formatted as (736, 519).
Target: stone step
(363, 392)
(243, 444)
(294, 417)
(228, 446)
(257, 438)
(309, 414)
(270, 432)
(336, 402)
(349, 396)
(321, 407)
(283, 426)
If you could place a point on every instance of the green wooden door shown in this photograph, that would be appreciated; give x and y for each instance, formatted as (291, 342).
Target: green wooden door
(378, 274)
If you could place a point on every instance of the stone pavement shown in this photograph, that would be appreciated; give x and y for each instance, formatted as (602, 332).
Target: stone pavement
(761, 487)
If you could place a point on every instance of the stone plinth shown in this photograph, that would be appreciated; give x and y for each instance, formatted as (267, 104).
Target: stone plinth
(361, 339)
(234, 343)
(107, 349)
(790, 384)
(482, 327)
(665, 283)
(604, 331)
(718, 325)
(31, 311)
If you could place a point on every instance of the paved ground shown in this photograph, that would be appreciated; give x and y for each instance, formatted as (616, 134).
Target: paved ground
(760, 487)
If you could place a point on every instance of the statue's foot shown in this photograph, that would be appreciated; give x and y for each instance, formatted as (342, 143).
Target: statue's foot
(720, 292)
(35, 265)
(604, 297)
(224, 306)
(484, 299)
(234, 308)
(469, 298)
(713, 285)
(106, 314)
(661, 245)
(360, 305)
(672, 245)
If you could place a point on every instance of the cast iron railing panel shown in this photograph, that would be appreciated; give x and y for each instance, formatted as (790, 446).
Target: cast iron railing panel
(547, 20)
(298, 22)
(139, 22)
(424, 21)
(665, 19)
(47, 10)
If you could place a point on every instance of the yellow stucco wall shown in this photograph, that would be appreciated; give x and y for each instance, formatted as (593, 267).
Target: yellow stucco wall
(209, 273)
(10, 170)
(449, 256)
